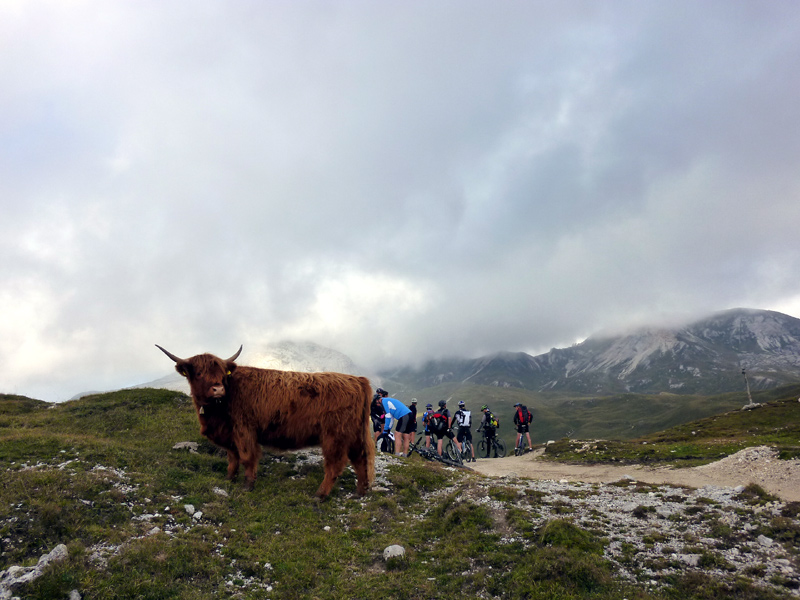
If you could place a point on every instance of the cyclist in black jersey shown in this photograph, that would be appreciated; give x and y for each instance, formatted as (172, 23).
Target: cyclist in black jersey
(463, 418)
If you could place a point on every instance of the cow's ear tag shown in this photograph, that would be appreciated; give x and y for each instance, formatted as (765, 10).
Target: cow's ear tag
(228, 373)
(202, 410)
(183, 372)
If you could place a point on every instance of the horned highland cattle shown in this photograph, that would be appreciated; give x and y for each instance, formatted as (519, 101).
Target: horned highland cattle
(242, 408)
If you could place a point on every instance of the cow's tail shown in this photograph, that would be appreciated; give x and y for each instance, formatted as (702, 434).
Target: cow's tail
(369, 444)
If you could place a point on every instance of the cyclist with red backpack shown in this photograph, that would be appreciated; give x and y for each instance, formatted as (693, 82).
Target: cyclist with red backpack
(439, 425)
(522, 419)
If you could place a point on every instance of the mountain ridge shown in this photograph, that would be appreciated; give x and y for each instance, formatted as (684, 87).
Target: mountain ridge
(704, 356)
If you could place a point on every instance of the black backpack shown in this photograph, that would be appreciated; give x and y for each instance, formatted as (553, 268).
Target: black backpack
(437, 423)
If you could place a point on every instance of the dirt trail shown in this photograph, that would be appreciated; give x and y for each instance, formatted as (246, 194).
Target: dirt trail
(758, 465)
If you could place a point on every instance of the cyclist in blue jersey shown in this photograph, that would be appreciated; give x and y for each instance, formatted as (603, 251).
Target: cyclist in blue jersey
(426, 417)
(400, 412)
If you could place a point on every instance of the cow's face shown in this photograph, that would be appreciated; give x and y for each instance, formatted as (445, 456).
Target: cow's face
(208, 376)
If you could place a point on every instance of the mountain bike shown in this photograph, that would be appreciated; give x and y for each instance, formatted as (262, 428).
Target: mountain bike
(451, 451)
(489, 446)
(466, 451)
(522, 446)
(385, 443)
(424, 451)
(431, 453)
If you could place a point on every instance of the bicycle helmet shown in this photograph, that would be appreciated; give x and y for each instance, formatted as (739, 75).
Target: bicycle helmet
(429, 405)
(484, 407)
(442, 403)
(461, 403)
(382, 392)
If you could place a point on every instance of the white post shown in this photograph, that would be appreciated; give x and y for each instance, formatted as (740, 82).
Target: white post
(747, 383)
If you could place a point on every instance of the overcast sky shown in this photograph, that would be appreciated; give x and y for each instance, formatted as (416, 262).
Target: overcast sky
(395, 180)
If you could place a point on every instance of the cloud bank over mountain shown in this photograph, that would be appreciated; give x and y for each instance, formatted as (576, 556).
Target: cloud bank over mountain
(397, 181)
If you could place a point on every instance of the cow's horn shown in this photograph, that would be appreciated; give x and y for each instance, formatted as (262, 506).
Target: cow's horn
(172, 356)
(235, 356)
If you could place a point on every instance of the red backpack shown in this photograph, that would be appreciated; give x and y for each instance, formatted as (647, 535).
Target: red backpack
(437, 423)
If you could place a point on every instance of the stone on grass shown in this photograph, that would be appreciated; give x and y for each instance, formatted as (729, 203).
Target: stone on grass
(394, 551)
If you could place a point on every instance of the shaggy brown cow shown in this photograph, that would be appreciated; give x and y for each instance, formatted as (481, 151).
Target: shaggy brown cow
(241, 408)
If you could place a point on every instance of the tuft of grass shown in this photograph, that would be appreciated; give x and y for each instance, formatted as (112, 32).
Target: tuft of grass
(755, 495)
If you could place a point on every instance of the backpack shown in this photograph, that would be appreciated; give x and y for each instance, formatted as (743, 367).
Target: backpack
(492, 421)
(437, 423)
(525, 416)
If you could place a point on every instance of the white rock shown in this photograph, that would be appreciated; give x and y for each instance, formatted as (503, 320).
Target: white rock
(394, 551)
(690, 559)
(189, 508)
(190, 446)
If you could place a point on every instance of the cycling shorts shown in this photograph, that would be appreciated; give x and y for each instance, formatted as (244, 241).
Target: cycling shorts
(405, 424)
(377, 424)
(448, 433)
(522, 428)
(464, 433)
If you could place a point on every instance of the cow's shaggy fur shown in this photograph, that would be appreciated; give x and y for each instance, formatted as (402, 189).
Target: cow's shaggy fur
(242, 408)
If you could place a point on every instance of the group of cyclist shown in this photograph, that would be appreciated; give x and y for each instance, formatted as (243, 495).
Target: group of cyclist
(437, 424)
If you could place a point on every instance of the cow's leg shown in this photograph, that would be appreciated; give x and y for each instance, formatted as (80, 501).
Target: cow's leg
(361, 466)
(233, 465)
(334, 458)
(249, 454)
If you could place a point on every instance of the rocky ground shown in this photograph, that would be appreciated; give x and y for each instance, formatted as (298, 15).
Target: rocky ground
(758, 465)
(658, 523)
(661, 522)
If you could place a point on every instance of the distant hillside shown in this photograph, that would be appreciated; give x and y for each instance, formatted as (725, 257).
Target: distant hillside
(703, 357)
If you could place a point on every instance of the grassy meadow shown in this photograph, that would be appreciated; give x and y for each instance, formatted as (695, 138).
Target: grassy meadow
(100, 475)
(620, 417)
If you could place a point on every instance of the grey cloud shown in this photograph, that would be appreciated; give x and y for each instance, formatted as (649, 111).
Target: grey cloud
(396, 180)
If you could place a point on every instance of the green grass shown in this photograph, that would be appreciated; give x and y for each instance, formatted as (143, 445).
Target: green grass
(565, 415)
(776, 423)
(99, 474)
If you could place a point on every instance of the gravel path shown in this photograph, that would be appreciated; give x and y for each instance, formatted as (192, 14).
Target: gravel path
(759, 465)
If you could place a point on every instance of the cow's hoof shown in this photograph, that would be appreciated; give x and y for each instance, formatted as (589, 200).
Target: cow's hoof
(249, 485)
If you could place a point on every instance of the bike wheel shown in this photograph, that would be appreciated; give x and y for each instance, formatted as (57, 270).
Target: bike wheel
(467, 451)
(453, 453)
(499, 448)
(483, 449)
